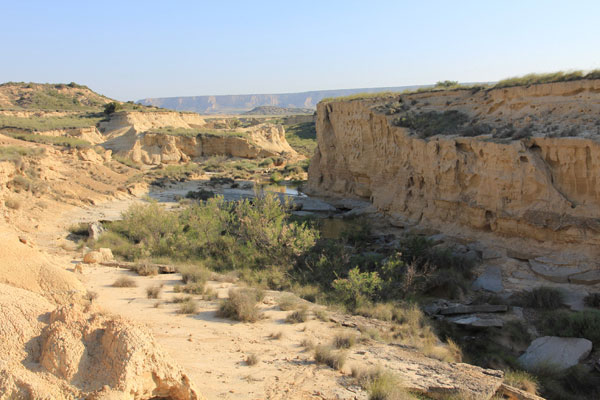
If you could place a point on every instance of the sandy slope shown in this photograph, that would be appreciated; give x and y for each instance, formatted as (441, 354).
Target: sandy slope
(210, 350)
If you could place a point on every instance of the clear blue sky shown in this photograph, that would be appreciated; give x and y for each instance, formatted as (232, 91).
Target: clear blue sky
(134, 49)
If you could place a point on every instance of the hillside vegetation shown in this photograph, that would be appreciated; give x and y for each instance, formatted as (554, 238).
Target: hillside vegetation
(50, 97)
(525, 80)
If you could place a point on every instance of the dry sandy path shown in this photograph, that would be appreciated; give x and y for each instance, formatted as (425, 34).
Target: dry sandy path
(213, 350)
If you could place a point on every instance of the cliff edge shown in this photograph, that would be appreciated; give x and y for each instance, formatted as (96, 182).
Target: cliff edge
(518, 162)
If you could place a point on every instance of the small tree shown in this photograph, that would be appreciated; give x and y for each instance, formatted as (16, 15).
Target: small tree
(112, 107)
(446, 84)
(358, 288)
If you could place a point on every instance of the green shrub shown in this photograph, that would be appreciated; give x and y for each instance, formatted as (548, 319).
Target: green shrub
(80, 229)
(531, 79)
(563, 323)
(267, 162)
(194, 273)
(302, 138)
(120, 246)
(45, 123)
(241, 305)
(544, 298)
(112, 107)
(66, 141)
(14, 153)
(517, 332)
(592, 300)
(430, 123)
(446, 84)
(276, 177)
(357, 288)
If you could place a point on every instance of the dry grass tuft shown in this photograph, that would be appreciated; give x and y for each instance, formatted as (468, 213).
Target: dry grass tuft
(190, 306)
(308, 344)
(344, 341)
(522, 380)
(276, 336)
(297, 316)
(153, 292)
(328, 356)
(146, 270)
(321, 315)
(252, 359)
(241, 305)
(380, 384)
(288, 302)
(13, 203)
(124, 282)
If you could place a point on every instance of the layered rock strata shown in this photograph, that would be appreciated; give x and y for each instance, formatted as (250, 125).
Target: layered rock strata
(518, 162)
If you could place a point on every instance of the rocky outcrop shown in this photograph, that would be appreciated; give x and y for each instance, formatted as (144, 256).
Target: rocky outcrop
(71, 352)
(124, 121)
(517, 162)
(259, 141)
(557, 352)
(89, 134)
(57, 345)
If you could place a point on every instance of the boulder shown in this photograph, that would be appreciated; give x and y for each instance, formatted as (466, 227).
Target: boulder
(586, 278)
(555, 271)
(95, 229)
(558, 352)
(98, 256)
(490, 280)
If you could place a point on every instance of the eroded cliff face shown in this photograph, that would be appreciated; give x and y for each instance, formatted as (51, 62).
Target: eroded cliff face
(156, 148)
(124, 121)
(131, 135)
(534, 184)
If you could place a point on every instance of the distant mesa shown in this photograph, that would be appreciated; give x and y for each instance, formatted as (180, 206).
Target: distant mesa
(239, 104)
(273, 110)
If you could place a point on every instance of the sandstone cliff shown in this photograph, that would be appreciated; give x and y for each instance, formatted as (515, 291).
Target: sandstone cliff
(132, 134)
(123, 121)
(520, 162)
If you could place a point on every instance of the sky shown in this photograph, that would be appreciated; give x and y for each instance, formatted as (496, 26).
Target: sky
(130, 50)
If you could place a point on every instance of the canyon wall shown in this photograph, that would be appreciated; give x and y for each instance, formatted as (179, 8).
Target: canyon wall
(540, 183)
(259, 141)
(123, 121)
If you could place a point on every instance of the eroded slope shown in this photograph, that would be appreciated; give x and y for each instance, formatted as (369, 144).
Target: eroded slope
(521, 161)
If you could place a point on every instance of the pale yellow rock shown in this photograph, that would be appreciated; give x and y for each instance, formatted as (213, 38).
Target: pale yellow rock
(130, 135)
(98, 256)
(542, 188)
(90, 155)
